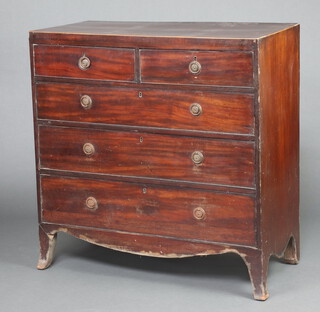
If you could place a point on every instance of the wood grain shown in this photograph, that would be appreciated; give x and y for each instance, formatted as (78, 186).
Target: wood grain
(159, 35)
(47, 246)
(210, 30)
(228, 113)
(148, 155)
(62, 61)
(141, 173)
(217, 68)
(149, 245)
(148, 209)
(144, 42)
(279, 128)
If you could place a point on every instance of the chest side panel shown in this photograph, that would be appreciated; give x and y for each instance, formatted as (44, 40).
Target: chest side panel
(279, 135)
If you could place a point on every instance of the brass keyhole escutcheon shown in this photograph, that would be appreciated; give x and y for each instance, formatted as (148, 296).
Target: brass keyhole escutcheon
(84, 62)
(195, 109)
(91, 203)
(197, 157)
(86, 101)
(88, 149)
(199, 213)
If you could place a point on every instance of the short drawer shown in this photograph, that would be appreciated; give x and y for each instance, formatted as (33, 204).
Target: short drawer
(84, 62)
(147, 209)
(174, 109)
(197, 67)
(223, 162)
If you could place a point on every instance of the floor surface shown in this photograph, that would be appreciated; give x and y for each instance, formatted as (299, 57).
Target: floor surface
(89, 278)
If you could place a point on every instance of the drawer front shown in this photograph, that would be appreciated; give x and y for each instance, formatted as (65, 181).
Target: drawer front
(216, 68)
(191, 110)
(147, 209)
(224, 162)
(84, 62)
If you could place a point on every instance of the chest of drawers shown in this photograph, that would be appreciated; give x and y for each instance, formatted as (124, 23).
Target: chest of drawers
(169, 139)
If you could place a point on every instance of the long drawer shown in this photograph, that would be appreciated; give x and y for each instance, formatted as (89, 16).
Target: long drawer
(223, 162)
(148, 209)
(175, 109)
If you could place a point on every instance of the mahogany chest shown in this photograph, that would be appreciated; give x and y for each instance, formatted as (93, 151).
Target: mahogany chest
(169, 139)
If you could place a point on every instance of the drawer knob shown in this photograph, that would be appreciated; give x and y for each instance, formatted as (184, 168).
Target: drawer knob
(88, 149)
(86, 101)
(197, 157)
(91, 203)
(199, 213)
(84, 62)
(195, 109)
(194, 67)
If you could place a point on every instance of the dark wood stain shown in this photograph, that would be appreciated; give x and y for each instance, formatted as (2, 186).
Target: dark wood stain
(148, 155)
(141, 174)
(210, 30)
(62, 61)
(148, 209)
(229, 113)
(205, 36)
(149, 245)
(279, 127)
(144, 42)
(217, 68)
(130, 84)
(237, 190)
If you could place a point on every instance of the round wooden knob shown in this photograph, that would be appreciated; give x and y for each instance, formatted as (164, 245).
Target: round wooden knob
(194, 67)
(91, 203)
(86, 101)
(88, 149)
(199, 213)
(195, 109)
(197, 157)
(84, 62)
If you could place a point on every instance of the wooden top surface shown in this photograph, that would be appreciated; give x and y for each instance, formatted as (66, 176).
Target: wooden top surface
(172, 29)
